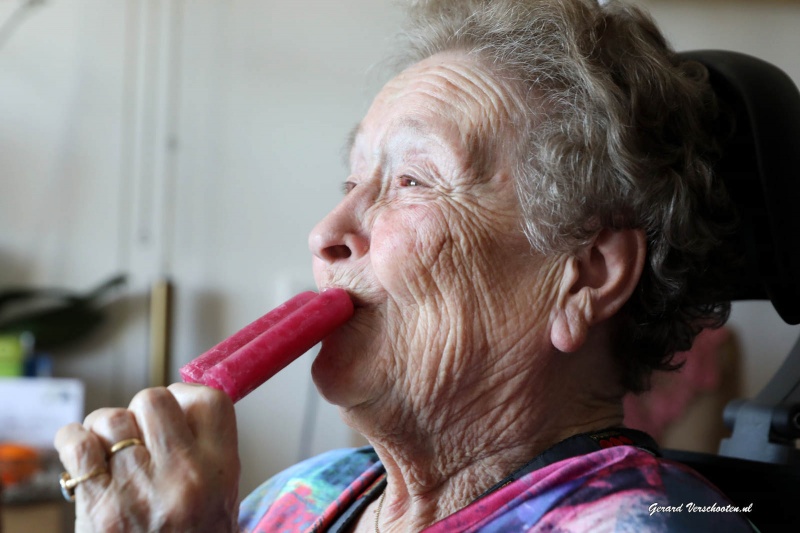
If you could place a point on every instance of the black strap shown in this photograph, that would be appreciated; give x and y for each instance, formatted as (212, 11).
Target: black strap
(574, 446)
(581, 444)
(347, 520)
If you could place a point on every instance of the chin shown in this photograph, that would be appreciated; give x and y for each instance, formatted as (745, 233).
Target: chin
(333, 371)
(350, 367)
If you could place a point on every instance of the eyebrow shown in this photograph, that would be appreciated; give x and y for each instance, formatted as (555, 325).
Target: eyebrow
(419, 127)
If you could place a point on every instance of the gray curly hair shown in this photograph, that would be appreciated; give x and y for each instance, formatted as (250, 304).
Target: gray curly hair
(625, 142)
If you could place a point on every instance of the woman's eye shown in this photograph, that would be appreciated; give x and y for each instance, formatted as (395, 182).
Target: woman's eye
(408, 181)
(348, 186)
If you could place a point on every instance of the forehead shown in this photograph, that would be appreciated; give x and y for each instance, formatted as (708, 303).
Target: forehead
(449, 96)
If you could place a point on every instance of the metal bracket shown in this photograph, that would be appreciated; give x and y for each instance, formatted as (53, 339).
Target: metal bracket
(767, 427)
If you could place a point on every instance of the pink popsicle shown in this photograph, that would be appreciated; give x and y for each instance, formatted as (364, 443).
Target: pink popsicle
(271, 351)
(192, 372)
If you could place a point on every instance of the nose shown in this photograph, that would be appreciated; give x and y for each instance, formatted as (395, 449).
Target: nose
(342, 234)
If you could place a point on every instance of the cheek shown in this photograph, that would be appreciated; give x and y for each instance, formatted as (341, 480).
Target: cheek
(405, 247)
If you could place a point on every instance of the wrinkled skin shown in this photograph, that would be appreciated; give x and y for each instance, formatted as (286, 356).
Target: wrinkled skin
(468, 353)
(184, 478)
(451, 366)
(428, 238)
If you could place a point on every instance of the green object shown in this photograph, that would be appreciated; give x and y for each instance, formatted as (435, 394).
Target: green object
(12, 355)
(55, 317)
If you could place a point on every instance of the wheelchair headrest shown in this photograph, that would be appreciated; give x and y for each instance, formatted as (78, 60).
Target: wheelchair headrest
(760, 166)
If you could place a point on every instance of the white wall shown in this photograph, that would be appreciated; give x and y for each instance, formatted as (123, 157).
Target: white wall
(269, 91)
(198, 140)
(201, 140)
(63, 207)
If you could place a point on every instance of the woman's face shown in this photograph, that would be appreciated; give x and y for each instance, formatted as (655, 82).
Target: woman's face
(428, 240)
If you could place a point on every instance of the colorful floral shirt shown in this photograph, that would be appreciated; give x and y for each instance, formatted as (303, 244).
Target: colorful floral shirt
(622, 488)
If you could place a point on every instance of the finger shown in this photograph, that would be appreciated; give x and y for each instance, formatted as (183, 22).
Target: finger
(112, 425)
(161, 422)
(79, 450)
(82, 452)
(212, 419)
(208, 411)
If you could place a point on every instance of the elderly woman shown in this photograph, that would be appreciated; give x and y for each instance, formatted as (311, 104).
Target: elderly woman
(528, 232)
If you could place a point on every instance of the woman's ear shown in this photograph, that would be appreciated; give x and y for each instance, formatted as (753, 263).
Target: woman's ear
(596, 283)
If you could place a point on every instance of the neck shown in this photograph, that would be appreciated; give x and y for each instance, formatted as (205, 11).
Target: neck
(442, 454)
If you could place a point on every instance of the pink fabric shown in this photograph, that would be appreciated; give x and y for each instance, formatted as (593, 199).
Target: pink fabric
(673, 392)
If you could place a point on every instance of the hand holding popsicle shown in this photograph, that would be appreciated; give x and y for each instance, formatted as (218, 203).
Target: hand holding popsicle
(180, 474)
(185, 436)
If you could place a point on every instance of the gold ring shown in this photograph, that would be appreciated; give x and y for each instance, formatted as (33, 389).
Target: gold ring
(68, 483)
(121, 445)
